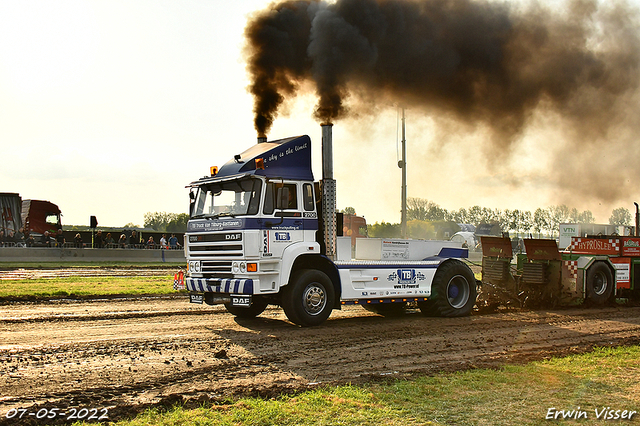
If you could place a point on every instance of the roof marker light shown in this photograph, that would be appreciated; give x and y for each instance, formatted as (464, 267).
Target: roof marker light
(260, 163)
(213, 170)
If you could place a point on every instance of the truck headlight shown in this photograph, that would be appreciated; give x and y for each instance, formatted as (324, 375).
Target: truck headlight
(194, 266)
(239, 267)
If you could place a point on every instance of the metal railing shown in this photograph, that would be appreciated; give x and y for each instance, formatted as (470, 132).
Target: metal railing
(54, 244)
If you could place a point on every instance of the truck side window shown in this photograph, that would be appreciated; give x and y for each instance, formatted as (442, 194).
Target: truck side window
(269, 199)
(254, 202)
(293, 197)
(307, 194)
(272, 193)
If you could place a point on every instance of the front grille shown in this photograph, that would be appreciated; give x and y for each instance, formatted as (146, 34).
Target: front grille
(217, 250)
(216, 253)
(216, 269)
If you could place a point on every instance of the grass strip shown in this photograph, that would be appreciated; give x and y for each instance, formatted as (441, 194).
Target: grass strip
(83, 286)
(512, 395)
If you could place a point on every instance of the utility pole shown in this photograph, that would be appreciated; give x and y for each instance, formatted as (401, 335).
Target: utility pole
(403, 165)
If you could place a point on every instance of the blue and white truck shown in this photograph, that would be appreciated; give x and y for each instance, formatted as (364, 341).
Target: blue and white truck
(262, 231)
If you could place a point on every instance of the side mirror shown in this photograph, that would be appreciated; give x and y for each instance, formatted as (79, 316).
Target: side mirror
(282, 198)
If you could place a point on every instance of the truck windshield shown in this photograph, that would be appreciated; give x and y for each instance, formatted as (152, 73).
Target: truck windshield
(234, 198)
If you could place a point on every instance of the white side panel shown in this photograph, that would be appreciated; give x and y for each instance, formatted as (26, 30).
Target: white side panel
(400, 250)
(343, 248)
(387, 281)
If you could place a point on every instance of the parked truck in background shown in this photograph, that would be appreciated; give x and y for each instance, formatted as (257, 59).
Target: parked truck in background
(35, 216)
(262, 231)
(39, 216)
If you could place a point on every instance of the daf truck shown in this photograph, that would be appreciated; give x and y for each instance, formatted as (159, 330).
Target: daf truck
(263, 231)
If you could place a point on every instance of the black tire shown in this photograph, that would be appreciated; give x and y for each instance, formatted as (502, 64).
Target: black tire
(453, 291)
(387, 309)
(599, 283)
(257, 307)
(309, 297)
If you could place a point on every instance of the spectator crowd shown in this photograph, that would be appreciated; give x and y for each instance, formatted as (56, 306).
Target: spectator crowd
(127, 239)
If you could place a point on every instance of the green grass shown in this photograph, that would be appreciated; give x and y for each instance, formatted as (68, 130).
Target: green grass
(82, 286)
(512, 395)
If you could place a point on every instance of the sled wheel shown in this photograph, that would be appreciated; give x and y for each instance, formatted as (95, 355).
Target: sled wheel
(453, 291)
(387, 309)
(257, 307)
(599, 283)
(308, 298)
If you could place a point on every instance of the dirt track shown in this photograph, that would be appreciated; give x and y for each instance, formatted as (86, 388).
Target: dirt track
(123, 355)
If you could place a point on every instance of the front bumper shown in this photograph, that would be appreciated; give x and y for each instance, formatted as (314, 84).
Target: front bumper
(231, 286)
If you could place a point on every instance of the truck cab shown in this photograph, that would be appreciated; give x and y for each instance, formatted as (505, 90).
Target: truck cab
(257, 235)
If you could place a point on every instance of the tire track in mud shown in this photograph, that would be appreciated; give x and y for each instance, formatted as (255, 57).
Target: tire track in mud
(129, 355)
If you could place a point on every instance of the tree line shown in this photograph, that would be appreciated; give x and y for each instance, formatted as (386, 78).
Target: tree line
(166, 222)
(541, 221)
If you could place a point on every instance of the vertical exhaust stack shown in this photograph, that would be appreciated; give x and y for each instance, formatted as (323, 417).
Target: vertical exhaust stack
(328, 191)
(262, 139)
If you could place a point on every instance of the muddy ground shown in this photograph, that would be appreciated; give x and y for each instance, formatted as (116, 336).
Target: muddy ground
(121, 356)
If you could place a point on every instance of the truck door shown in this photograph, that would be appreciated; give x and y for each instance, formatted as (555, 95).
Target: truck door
(286, 226)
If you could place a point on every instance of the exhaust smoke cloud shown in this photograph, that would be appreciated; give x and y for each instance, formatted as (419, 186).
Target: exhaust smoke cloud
(487, 64)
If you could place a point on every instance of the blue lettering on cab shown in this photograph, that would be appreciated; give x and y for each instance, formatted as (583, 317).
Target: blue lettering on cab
(283, 236)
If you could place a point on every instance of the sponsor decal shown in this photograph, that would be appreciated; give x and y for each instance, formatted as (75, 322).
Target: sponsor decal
(406, 276)
(196, 298)
(240, 300)
(364, 293)
(595, 245)
(265, 243)
(631, 247)
(280, 155)
(283, 236)
(215, 225)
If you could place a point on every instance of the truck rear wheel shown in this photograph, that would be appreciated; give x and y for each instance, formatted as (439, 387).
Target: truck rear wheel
(257, 307)
(308, 298)
(599, 283)
(453, 291)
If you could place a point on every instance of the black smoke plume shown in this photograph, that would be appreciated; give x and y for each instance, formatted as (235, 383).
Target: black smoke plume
(478, 62)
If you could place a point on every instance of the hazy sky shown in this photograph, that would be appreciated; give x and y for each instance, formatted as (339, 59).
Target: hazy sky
(109, 108)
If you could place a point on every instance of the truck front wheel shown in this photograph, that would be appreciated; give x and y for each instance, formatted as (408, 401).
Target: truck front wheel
(257, 307)
(599, 283)
(453, 291)
(308, 298)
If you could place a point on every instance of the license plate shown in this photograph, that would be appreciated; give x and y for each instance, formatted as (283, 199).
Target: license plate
(241, 300)
(196, 298)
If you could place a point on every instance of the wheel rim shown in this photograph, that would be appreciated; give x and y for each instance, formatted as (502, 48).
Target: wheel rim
(314, 299)
(600, 283)
(458, 291)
